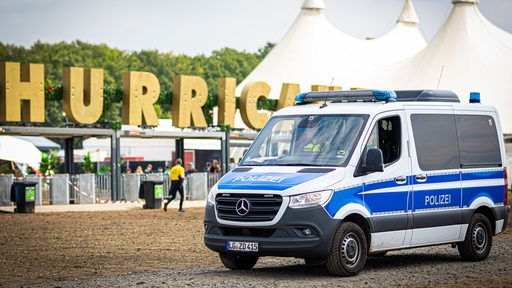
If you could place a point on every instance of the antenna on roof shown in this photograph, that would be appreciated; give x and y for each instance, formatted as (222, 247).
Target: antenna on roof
(327, 97)
(440, 75)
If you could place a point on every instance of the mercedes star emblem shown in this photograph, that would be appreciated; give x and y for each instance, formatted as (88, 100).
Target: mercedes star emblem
(242, 207)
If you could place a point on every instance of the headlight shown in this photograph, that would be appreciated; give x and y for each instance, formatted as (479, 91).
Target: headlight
(310, 199)
(211, 198)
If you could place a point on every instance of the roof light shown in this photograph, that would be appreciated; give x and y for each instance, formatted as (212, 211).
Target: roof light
(346, 96)
(474, 97)
(300, 97)
(384, 95)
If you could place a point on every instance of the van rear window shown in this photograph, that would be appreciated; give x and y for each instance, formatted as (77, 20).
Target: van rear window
(445, 141)
(478, 141)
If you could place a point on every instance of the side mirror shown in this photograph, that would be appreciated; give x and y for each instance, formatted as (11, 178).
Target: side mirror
(374, 161)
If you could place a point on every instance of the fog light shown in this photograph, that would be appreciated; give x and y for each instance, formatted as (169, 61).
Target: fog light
(307, 231)
(205, 227)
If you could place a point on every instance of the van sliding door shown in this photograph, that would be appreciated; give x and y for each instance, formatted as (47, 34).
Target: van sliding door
(436, 178)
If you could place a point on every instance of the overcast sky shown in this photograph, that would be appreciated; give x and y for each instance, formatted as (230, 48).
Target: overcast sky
(199, 26)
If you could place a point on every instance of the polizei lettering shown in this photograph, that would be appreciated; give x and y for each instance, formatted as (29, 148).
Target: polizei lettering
(261, 178)
(438, 199)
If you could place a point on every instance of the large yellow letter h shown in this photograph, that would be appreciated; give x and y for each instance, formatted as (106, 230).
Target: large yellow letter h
(29, 90)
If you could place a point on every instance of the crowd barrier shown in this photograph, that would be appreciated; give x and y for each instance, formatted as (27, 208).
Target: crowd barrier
(62, 189)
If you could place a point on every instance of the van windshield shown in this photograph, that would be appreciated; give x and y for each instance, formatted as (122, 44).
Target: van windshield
(306, 140)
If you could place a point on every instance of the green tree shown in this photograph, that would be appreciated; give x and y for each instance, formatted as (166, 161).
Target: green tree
(225, 62)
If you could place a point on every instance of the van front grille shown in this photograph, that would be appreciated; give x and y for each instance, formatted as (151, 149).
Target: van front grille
(251, 207)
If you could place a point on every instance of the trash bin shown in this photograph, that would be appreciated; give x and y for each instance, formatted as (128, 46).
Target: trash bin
(153, 193)
(24, 194)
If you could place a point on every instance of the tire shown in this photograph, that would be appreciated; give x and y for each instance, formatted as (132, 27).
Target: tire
(348, 253)
(238, 262)
(478, 241)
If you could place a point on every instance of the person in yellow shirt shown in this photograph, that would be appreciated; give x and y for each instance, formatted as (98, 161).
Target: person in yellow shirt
(177, 176)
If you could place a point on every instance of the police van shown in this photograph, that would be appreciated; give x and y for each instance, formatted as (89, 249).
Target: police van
(344, 175)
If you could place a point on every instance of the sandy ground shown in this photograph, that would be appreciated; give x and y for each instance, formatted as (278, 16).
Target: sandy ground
(42, 247)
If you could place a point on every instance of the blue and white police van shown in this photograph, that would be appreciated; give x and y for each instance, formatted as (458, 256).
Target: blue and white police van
(344, 175)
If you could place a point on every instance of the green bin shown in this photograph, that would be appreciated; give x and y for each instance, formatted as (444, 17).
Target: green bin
(24, 194)
(153, 194)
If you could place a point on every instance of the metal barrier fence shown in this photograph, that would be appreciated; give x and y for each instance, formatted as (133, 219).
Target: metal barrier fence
(62, 189)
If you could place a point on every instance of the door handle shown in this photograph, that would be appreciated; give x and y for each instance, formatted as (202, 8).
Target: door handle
(421, 178)
(400, 180)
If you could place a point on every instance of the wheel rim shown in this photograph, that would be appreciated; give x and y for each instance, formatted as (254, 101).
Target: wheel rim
(479, 237)
(350, 249)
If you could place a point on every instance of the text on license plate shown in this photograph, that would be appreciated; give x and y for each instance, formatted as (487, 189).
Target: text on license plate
(241, 246)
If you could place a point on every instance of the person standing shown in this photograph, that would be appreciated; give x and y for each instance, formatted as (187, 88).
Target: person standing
(177, 177)
(232, 164)
(215, 168)
(149, 169)
(191, 169)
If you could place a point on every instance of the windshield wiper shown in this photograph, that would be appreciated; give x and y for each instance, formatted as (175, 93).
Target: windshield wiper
(299, 164)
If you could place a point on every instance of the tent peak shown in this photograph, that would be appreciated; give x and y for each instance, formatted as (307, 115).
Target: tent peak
(408, 14)
(313, 5)
(465, 1)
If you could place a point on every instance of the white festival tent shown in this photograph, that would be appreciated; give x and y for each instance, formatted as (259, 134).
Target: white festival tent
(311, 52)
(468, 54)
(401, 42)
(19, 151)
(314, 52)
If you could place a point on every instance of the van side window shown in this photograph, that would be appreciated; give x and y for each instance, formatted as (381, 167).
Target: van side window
(478, 141)
(386, 136)
(435, 137)
(389, 138)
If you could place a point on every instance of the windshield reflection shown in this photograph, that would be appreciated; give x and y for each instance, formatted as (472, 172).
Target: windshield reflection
(306, 140)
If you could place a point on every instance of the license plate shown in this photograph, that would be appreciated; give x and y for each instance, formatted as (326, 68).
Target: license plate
(242, 246)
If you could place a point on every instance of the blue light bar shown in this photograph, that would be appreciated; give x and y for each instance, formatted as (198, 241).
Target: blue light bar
(384, 95)
(474, 97)
(300, 97)
(346, 96)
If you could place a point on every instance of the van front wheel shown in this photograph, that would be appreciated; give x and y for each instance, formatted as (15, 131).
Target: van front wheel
(478, 242)
(348, 253)
(238, 262)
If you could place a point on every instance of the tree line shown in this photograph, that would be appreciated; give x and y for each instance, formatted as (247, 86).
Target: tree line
(225, 62)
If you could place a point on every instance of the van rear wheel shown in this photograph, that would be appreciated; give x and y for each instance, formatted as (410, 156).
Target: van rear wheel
(238, 262)
(478, 242)
(348, 253)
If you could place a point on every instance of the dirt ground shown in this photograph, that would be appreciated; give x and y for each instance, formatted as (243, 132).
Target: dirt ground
(39, 247)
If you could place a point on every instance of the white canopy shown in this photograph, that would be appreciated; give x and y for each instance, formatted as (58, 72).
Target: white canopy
(403, 41)
(311, 52)
(315, 52)
(468, 54)
(19, 151)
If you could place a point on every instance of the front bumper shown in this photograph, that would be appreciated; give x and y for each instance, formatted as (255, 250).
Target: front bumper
(288, 237)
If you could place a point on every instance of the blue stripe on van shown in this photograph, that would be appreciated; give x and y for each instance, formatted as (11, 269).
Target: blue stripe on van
(483, 175)
(437, 197)
(343, 197)
(495, 193)
(264, 181)
(434, 179)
